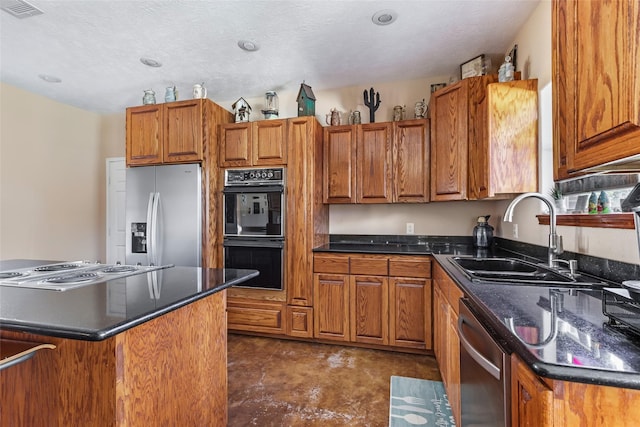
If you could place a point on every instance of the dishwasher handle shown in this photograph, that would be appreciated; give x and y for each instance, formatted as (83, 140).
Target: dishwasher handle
(485, 363)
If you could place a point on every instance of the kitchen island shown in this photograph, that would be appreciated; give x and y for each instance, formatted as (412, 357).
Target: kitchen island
(136, 351)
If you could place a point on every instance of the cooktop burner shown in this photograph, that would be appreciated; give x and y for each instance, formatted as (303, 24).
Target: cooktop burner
(69, 275)
(57, 267)
(119, 269)
(72, 278)
(11, 274)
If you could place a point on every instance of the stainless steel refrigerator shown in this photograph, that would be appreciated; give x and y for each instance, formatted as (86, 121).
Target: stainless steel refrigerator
(164, 215)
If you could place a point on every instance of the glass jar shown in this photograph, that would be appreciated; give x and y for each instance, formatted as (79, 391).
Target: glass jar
(271, 102)
(149, 97)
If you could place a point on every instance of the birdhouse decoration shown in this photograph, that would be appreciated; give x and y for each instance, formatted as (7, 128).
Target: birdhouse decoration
(242, 109)
(306, 101)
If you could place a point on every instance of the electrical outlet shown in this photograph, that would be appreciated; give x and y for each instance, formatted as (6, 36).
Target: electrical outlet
(515, 230)
(409, 228)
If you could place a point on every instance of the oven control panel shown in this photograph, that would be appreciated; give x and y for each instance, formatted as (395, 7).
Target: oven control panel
(258, 176)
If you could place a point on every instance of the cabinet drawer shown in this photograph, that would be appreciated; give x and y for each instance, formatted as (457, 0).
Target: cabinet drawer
(337, 264)
(371, 266)
(410, 267)
(257, 317)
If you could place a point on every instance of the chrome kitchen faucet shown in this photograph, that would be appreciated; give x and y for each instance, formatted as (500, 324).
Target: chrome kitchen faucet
(555, 241)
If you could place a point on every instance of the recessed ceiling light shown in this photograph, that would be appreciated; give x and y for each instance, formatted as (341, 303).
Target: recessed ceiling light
(248, 45)
(150, 62)
(50, 79)
(384, 17)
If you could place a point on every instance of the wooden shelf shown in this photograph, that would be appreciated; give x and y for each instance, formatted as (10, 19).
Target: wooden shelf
(617, 220)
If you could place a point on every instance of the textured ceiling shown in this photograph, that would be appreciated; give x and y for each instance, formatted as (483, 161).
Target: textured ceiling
(95, 46)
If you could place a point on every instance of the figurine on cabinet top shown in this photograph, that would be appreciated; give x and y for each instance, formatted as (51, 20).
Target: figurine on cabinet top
(242, 109)
(306, 101)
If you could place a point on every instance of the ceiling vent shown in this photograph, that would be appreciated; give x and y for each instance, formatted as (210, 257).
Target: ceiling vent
(19, 8)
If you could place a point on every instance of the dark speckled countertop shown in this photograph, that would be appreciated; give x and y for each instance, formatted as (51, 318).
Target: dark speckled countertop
(98, 311)
(561, 333)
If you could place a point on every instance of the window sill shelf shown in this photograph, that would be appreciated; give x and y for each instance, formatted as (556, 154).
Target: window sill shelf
(617, 220)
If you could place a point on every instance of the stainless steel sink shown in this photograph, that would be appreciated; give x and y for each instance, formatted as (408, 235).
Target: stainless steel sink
(517, 271)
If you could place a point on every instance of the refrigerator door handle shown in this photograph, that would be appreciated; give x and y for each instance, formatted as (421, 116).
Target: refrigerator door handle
(148, 230)
(154, 230)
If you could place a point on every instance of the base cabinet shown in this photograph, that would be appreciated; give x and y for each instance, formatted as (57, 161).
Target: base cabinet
(257, 316)
(446, 341)
(531, 398)
(373, 299)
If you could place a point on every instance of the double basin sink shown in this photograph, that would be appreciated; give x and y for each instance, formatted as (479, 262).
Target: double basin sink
(516, 271)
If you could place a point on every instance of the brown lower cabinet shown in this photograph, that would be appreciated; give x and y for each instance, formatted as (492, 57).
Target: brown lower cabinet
(542, 402)
(535, 401)
(382, 300)
(446, 344)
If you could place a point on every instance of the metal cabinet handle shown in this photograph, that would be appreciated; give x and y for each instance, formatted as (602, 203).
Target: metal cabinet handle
(485, 363)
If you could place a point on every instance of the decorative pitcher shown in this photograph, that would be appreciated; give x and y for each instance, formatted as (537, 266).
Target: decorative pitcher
(354, 118)
(170, 94)
(199, 91)
(333, 118)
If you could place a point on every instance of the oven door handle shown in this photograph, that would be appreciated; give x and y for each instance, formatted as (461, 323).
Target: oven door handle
(485, 363)
(262, 243)
(253, 189)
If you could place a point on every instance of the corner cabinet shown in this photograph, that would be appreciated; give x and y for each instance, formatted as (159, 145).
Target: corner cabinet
(377, 300)
(484, 139)
(261, 143)
(165, 133)
(377, 162)
(596, 83)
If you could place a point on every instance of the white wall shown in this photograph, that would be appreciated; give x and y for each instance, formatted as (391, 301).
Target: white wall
(51, 179)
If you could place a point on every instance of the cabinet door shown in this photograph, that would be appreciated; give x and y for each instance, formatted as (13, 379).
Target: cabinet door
(411, 161)
(596, 92)
(440, 329)
(339, 164)
(531, 399)
(449, 133)
(331, 306)
(183, 131)
(369, 309)
(269, 143)
(374, 157)
(144, 135)
(410, 312)
(453, 364)
(235, 145)
(508, 156)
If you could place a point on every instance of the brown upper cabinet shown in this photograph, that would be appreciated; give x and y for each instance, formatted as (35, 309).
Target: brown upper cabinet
(261, 143)
(484, 139)
(596, 83)
(165, 133)
(377, 162)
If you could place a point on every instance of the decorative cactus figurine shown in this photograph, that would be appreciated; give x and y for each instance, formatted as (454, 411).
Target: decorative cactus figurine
(373, 107)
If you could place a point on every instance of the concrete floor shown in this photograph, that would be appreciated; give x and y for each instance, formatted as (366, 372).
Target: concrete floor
(275, 382)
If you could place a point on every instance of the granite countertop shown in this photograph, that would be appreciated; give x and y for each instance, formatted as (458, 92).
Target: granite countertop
(99, 311)
(561, 333)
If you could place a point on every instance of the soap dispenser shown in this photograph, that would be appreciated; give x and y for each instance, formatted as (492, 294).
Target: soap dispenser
(483, 233)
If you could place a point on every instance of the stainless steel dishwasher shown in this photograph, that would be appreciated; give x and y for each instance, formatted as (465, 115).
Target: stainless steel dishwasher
(484, 374)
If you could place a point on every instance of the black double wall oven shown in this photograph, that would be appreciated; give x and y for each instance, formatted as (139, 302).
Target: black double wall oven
(254, 224)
